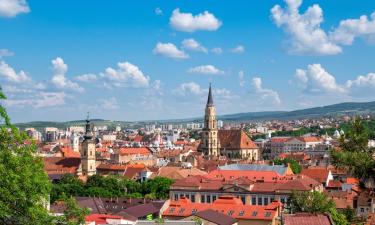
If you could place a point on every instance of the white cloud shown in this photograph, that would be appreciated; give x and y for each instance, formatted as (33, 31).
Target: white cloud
(11, 8)
(315, 79)
(5, 52)
(126, 74)
(349, 29)
(11, 75)
(205, 69)
(158, 11)
(39, 100)
(59, 79)
(169, 50)
(238, 49)
(241, 78)
(265, 94)
(88, 78)
(217, 50)
(189, 23)
(188, 89)
(362, 81)
(306, 35)
(193, 45)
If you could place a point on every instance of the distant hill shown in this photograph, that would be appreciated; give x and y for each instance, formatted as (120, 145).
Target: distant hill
(347, 108)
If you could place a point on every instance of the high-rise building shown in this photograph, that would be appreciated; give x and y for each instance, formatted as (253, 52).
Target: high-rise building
(209, 144)
(88, 158)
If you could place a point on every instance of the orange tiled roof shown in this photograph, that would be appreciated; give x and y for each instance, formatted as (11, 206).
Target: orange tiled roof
(224, 204)
(61, 165)
(135, 151)
(235, 139)
(319, 174)
(69, 152)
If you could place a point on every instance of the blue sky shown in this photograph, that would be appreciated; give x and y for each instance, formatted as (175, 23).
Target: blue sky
(141, 60)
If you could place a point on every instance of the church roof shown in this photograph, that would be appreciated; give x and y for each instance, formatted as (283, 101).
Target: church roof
(235, 139)
(280, 169)
(210, 100)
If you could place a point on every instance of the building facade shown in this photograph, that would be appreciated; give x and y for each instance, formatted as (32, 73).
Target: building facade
(88, 157)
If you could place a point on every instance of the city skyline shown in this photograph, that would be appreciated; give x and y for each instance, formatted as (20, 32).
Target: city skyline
(151, 61)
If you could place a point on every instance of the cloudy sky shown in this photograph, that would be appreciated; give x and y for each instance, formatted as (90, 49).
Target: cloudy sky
(146, 59)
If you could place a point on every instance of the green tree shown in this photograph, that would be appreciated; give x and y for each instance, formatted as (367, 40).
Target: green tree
(355, 156)
(73, 213)
(158, 187)
(315, 202)
(294, 165)
(25, 186)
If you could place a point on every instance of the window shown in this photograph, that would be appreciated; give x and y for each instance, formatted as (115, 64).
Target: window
(192, 198)
(255, 213)
(181, 210)
(208, 198)
(230, 212)
(181, 195)
(253, 200)
(265, 201)
(171, 210)
(175, 197)
(213, 198)
(243, 199)
(260, 201)
(282, 199)
(272, 198)
(241, 213)
(362, 210)
(267, 214)
(194, 211)
(203, 199)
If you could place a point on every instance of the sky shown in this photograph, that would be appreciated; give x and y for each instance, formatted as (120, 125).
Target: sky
(150, 60)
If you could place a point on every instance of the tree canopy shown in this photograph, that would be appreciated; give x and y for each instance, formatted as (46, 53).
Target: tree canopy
(294, 165)
(25, 187)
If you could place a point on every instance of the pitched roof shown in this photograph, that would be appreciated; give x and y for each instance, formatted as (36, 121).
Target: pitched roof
(135, 151)
(235, 139)
(307, 219)
(178, 172)
(141, 210)
(228, 205)
(216, 217)
(61, 165)
(318, 174)
(280, 169)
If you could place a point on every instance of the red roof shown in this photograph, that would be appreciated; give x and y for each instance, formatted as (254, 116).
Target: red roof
(279, 139)
(101, 218)
(307, 219)
(235, 139)
(69, 152)
(309, 139)
(228, 205)
(318, 174)
(135, 151)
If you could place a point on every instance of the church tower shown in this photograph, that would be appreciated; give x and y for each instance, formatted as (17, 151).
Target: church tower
(209, 144)
(88, 158)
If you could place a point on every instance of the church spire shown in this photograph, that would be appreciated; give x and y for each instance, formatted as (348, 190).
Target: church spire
(210, 100)
(88, 134)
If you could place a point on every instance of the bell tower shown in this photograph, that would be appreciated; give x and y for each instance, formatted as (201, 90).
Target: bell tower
(88, 158)
(209, 144)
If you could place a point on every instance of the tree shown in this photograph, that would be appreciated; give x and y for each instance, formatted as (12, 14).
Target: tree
(315, 202)
(73, 213)
(25, 186)
(294, 165)
(158, 187)
(355, 156)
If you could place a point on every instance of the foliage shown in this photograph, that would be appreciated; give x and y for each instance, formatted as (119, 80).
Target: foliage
(355, 156)
(315, 202)
(24, 185)
(294, 165)
(73, 214)
(111, 186)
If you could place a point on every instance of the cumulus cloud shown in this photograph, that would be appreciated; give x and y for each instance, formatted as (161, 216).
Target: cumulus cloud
(238, 49)
(217, 50)
(169, 50)
(241, 78)
(189, 23)
(39, 100)
(193, 45)
(264, 93)
(362, 81)
(11, 75)
(126, 74)
(11, 8)
(5, 52)
(306, 35)
(189, 88)
(88, 78)
(315, 79)
(349, 29)
(59, 78)
(206, 69)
